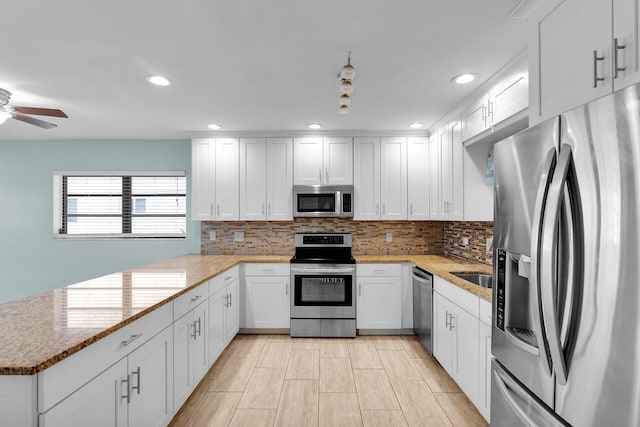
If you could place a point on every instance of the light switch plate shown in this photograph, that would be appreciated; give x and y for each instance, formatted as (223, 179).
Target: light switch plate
(212, 235)
(238, 236)
(465, 240)
(389, 237)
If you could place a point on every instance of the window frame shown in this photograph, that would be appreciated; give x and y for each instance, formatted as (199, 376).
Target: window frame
(61, 216)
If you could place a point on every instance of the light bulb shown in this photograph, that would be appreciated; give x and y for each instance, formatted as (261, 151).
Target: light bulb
(159, 80)
(346, 87)
(344, 109)
(4, 116)
(463, 79)
(348, 72)
(344, 99)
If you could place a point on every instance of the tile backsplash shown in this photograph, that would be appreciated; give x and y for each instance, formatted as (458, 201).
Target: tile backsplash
(477, 232)
(369, 237)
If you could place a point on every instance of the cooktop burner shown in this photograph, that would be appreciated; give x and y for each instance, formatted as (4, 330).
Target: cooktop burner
(323, 248)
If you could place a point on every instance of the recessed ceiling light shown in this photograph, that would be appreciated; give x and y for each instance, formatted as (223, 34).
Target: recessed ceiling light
(159, 80)
(463, 79)
(314, 126)
(214, 126)
(416, 125)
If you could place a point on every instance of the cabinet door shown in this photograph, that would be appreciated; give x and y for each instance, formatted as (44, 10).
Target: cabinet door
(338, 161)
(253, 184)
(217, 324)
(566, 55)
(456, 211)
(474, 118)
(279, 179)
(418, 172)
(227, 179)
(484, 370)
(97, 403)
(393, 178)
(509, 97)
(267, 302)
(379, 303)
(442, 335)
(434, 176)
(626, 18)
(366, 178)
(202, 178)
(183, 337)
(233, 311)
(200, 350)
(446, 174)
(465, 361)
(151, 376)
(307, 161)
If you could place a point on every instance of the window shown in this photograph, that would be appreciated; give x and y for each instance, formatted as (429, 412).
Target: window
(136, 205)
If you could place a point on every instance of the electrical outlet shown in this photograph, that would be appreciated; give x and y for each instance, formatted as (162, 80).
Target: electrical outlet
(465, 240)
(212, 235)
(389, 237)
(489, 243)
(238, 236)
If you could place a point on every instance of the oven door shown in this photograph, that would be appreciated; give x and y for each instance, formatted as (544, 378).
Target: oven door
(322, 291)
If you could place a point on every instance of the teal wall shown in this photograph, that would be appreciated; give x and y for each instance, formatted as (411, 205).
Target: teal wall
(31, 260)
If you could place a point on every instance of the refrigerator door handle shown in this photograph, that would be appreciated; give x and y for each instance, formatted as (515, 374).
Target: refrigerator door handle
(549, 265)
(536, 234)
(520, 413)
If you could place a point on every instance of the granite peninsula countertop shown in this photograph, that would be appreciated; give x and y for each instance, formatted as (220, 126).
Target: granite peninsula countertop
(41, 330)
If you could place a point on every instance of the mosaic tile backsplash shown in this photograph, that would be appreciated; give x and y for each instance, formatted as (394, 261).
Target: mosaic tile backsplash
(369, 237)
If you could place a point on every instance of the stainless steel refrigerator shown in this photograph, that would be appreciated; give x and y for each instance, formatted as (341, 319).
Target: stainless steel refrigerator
(566, 299)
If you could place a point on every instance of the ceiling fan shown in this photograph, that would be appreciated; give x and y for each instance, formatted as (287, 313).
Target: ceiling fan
(23, 113)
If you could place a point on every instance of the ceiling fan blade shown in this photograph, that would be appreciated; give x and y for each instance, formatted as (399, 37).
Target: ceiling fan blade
(40, 111)
(34, 121)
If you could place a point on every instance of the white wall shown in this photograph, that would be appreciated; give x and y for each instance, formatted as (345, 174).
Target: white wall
(31, 260)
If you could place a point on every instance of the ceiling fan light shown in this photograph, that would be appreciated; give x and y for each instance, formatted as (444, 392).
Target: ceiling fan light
(346, 87)
(4, 116)
(348, 72)
(345, 99)
(344, 109)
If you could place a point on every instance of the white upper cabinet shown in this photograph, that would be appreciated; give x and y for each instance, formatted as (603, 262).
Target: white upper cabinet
(266, 179)
(434, 176)
(393, 178)
(326, 161)
(446, 177)
(507, 96)
(626, 19)
(366, 178)
(418, 183)
(215, 179)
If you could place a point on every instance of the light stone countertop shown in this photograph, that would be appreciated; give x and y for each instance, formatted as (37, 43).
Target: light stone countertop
(38, 331)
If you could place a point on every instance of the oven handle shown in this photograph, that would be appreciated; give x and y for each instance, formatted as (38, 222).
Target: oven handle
(323, 270)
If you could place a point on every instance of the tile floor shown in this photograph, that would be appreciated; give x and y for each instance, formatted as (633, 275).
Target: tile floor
(275, 380)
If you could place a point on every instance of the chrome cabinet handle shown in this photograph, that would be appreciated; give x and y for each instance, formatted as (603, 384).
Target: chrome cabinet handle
(218, 210)
(198, 329)
(484, 113)
(379, 271)
(262, 210)
(360, 290)
(211, 210)
(326, 174)
(446, 321)
(269, 209)
(452, 326)
(130, 340)
(320, 174)
(230, 300)
(490, 113)
(411, 209)
(384, 209)
(596, 58)
(137, 374)
(128, 395)
(286, 289)
(226, 297)
(616, 67)
(377, 208)
(228, 278)
(196, 298)
(193, 335)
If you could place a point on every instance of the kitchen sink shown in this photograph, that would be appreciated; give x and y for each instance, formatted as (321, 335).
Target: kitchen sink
(480, 279)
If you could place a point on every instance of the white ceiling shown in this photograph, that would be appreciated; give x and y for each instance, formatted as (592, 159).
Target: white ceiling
(251, 66)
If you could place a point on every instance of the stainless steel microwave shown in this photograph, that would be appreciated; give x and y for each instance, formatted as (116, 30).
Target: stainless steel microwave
(323, 201)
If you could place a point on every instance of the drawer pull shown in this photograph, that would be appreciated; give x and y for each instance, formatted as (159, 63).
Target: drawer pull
(130, 340)
(379, 271)
(196, 298)
(228, 278)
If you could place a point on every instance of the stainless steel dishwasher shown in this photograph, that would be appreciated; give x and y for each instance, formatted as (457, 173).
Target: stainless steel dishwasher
(423, 307)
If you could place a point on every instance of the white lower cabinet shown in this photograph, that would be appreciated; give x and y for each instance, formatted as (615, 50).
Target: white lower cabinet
(484, 360)
(455, 335)
(135, 391)
(190, 351)
(379, 300)
(267, 299)
(224, 313)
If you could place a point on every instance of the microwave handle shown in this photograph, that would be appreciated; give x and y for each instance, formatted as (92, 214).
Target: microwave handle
(338, 203)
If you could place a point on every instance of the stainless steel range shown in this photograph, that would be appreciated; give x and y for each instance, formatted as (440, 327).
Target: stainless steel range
(323, 297)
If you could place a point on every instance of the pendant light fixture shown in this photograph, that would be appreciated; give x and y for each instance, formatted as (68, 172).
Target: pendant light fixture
(345, 77)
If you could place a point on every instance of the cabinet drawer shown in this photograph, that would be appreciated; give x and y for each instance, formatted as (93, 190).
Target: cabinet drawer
(63, 378)
(369, 270)
(486, 312)
(183, 304)
(459, 296)
(266, 269)
(223, 279)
